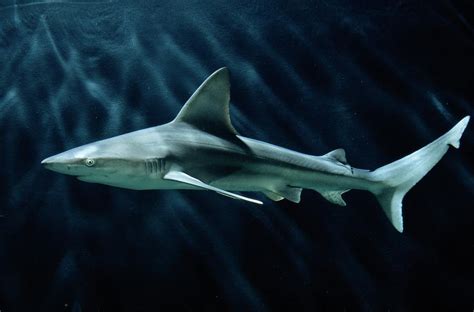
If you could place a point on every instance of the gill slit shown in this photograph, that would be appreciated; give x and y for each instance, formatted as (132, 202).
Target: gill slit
(154, 166)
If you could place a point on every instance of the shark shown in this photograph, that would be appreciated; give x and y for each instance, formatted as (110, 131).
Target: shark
(201, 150)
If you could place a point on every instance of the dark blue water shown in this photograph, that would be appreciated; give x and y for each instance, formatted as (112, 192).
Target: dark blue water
(378, 78)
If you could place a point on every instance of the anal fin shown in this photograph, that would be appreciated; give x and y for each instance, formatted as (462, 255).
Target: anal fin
(334, 197)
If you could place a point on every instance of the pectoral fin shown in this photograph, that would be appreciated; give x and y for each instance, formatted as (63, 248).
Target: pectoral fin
(185, 178)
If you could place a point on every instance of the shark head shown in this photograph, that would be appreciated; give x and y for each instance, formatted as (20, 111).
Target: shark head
(103, 162)
(82, 161)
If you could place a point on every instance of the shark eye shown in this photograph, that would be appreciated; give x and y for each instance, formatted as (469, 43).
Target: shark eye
(89, 162)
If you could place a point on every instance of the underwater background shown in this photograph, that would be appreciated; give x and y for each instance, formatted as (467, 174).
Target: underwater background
(377, 78)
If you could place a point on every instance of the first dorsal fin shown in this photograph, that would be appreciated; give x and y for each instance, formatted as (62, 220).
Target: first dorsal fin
(338, 155)
(208, 108)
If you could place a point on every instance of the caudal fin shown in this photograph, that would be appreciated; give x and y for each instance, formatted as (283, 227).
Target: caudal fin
(398, 177)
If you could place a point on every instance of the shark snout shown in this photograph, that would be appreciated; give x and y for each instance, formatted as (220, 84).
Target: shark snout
(48, 162)
(59, 163)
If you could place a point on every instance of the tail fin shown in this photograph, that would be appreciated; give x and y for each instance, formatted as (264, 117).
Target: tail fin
(398, 177)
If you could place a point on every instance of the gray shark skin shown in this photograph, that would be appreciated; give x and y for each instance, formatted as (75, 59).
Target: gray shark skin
(201, 150)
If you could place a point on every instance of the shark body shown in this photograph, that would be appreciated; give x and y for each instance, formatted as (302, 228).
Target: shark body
(201, 150)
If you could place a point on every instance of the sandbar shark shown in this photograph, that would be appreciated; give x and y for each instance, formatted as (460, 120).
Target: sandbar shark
(201, 150)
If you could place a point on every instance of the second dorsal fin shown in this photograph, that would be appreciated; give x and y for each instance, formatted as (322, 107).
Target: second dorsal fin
(208, 108)
(338, 155)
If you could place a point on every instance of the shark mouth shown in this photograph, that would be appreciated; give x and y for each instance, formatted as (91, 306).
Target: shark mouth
(88, 178)
(92, 178)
